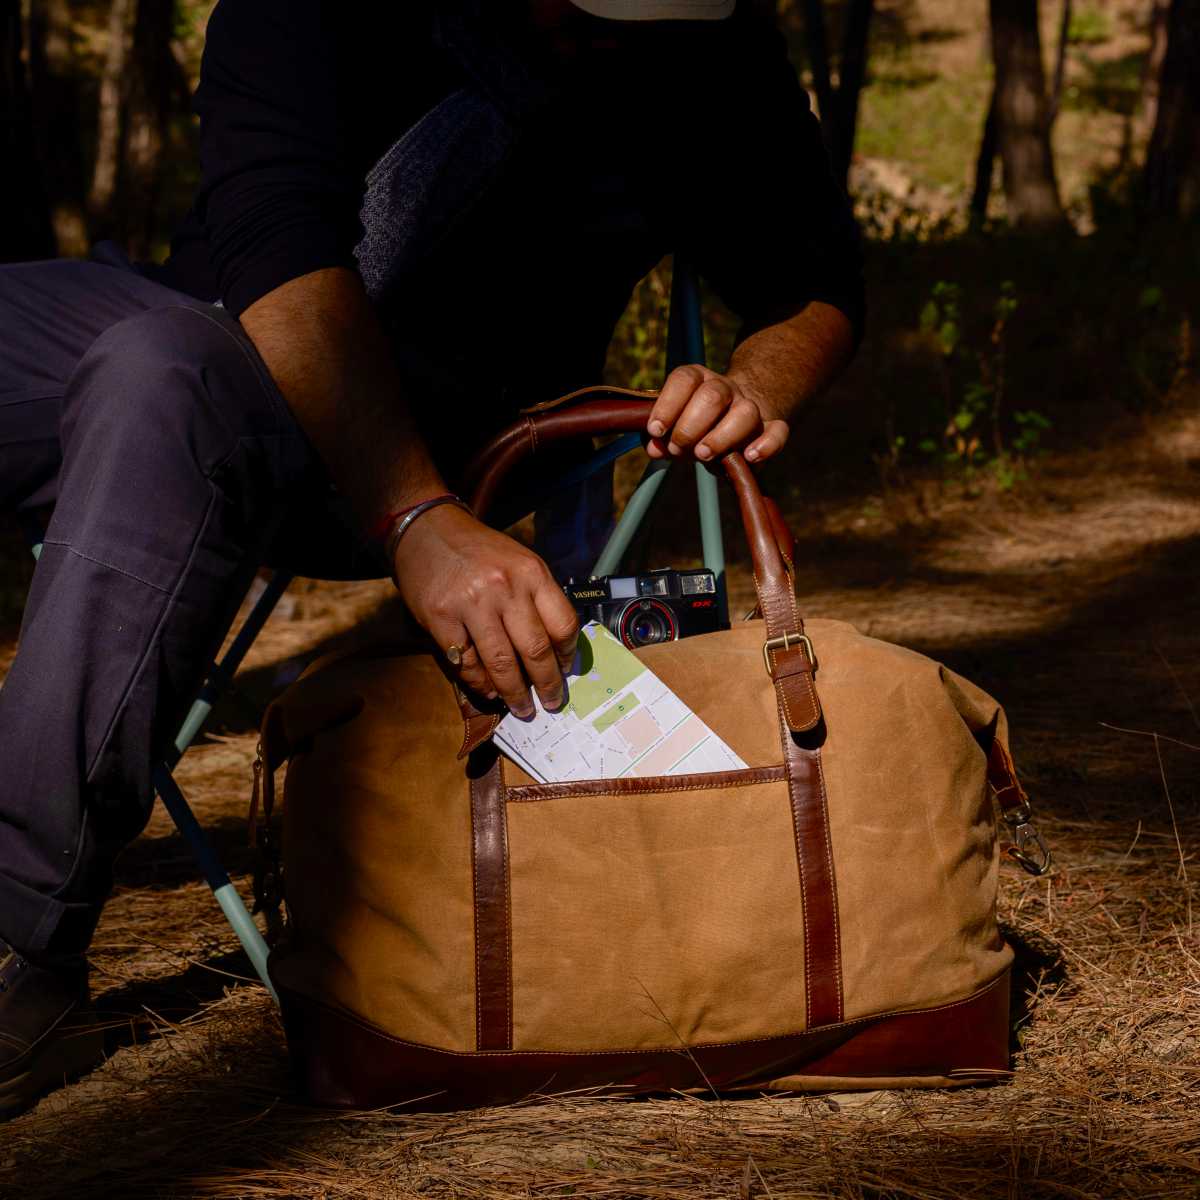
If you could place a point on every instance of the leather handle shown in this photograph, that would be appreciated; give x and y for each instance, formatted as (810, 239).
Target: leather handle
(593, 411)
(589, 412)
(785, 539)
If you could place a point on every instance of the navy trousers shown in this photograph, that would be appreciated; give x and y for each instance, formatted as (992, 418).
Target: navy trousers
(148, 421)
(174, 467)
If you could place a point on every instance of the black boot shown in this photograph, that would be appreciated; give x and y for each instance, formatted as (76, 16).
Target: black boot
(46, 1039)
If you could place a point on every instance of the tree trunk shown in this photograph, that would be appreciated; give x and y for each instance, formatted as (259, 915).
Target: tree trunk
(1152, 72)
(25, 230)
(109, 106)
(57, 116)
(838, 106)
(983, 166)
(817, 44)
(852, 73)
(1060, 64)
(1022, 113)
(155, 85)
(1172, 176)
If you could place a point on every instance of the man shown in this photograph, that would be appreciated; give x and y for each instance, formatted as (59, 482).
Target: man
(409, 224)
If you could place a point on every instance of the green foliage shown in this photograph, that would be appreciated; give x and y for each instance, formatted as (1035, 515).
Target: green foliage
(971, 375)
(923, 120)
(1106, 84)
(1030, 427)
(1089, 26)
(638, 353)
(940, 316)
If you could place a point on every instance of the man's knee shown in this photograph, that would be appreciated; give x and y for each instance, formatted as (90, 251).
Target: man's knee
(164, 339)
(177, 376)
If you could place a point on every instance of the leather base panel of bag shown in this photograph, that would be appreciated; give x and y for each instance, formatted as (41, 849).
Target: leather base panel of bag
(344, 1062)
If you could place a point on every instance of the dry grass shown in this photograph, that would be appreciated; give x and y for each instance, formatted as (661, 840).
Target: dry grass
(1103, 1103)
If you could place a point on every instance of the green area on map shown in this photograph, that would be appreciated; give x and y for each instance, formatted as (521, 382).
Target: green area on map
(605, 667)
(613, 714)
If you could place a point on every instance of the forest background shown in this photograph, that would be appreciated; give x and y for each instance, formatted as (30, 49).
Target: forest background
(1007, 479)
(1027, 176)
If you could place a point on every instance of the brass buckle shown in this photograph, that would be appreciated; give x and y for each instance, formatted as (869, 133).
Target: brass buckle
(783, 642)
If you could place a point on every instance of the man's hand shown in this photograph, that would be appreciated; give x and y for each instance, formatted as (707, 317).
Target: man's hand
(772, 374)
(466, 584)
(463, 582)
(706, 414)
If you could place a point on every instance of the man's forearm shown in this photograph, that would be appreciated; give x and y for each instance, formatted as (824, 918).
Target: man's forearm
(783, 366)
(771, 375)
(324, 346)
(469, 586)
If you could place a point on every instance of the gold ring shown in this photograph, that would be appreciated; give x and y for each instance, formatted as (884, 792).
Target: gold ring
(454, 654)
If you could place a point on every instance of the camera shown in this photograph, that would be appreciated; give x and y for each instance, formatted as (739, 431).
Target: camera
(643, 610)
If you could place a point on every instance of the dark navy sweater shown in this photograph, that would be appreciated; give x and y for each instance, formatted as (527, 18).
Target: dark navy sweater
(698, 140)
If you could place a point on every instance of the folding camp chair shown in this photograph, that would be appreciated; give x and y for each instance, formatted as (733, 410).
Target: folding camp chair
(685, 343)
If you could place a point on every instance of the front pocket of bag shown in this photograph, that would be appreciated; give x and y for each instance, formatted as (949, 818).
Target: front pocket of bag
(654, 918)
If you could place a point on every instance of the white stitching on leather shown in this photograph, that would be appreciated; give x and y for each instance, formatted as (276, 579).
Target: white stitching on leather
(534, 793)
(478, 962)
(508, 998)
(785, 732)
(781, 691)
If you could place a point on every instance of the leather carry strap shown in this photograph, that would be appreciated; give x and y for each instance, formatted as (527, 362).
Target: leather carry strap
(784, 538)
(787, 653)
(493, 920)
(818, 884)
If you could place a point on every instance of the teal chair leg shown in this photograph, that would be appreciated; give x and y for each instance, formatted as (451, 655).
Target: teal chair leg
(685, 344)
(219, 678)
(222, 672)
(225, 894)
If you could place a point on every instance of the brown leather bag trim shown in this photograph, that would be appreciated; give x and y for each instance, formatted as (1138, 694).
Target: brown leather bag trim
(478, 725)
(493, 915)
(791, 669)
(644, 784)
(595, 392)
(818, 886)
(784, 536)
(1002, 776)
(341, 1061)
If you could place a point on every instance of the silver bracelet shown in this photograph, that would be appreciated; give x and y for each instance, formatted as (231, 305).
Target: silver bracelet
(401, 526)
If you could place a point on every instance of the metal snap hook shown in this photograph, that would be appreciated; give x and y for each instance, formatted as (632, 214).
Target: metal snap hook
(1027, 838)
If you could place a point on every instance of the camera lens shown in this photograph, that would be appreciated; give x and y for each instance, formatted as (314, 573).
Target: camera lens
(646, 623)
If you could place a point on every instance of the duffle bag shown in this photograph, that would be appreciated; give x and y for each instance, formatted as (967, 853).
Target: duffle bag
(825, 918)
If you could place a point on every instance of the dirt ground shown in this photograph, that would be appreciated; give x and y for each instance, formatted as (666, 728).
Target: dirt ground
(1073, 599)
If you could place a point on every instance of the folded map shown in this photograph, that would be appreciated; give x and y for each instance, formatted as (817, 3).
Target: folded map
(619, 719)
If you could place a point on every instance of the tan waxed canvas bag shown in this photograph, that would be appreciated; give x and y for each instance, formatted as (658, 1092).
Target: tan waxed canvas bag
(824, 918)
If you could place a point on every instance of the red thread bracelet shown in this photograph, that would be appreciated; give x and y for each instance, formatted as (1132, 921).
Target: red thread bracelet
(385, 524)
